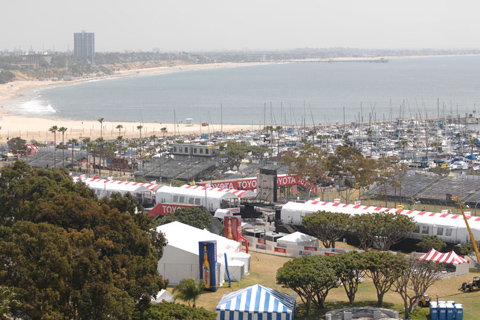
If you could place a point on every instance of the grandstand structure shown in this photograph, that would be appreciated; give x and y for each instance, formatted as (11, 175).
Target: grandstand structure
(429, 188)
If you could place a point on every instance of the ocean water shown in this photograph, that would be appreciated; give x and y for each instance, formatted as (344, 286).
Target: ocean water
(277, 94)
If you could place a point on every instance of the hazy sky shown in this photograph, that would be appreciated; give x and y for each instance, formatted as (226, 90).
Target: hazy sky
(201, 25)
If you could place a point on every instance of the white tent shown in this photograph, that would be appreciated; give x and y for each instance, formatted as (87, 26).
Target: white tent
(180, 256)
(297, 239)
(256, 302)
(163, 295)
(244, 257)
(236, 269)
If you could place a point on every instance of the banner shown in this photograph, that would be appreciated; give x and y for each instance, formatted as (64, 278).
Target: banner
(233, 227)
(207, 254)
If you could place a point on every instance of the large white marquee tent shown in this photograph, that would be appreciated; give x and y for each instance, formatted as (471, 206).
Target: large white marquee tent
(180, 256)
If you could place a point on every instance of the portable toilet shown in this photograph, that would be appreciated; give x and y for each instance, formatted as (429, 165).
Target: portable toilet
(442, 311)
(451, 302)
(458, 312)
(433, 310)
(450, 311)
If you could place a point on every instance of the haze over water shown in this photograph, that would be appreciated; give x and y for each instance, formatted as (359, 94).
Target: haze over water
(277, 94)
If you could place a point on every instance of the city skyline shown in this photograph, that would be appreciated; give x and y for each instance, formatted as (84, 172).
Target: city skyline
(216, 25)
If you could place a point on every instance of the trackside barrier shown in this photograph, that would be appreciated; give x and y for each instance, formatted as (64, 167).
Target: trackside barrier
(292, 251)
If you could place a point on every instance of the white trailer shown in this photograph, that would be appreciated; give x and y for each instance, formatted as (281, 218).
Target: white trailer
(210, 198)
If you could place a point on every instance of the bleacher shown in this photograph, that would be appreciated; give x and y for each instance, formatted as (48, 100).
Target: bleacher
(461, 186)
(430, 188)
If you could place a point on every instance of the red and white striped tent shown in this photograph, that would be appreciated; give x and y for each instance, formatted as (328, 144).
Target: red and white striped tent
(438, 257)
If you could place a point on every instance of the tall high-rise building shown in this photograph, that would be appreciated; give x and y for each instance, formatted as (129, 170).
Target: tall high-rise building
(84, 45)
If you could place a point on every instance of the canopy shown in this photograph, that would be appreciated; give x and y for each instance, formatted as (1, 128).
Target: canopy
(256, 302)
(297, 239)
(163, 295)
(438, 257)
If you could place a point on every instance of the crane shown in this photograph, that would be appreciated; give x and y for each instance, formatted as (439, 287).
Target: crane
(469, 230)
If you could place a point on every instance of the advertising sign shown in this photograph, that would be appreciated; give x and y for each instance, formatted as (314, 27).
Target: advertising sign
(208, 264)
(304, 253)
(233, 227)
(166, 209)
(281, 250)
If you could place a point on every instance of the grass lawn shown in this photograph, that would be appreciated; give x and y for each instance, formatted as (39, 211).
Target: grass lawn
(264, 268)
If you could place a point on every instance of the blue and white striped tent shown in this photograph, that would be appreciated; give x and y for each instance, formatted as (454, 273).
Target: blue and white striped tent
(256, 303)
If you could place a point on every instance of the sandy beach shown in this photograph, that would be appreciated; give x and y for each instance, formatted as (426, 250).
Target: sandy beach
(33, 128)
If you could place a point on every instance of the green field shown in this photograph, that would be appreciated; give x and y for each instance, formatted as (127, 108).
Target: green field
(264, 268)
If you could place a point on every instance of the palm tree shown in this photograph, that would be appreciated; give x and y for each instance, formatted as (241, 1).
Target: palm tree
(110, 151)
(92, 146)
(101, 145)
(437, 146)
(189, 289)
(54, 130)
(140, 127)
(133, 146)
(73, 142)
(101, 120)
(154, 138)
(164, 131)
(62, 130)
(119, 143)
(403, 144)
(100, 141)
(87, 142)
(119, 127)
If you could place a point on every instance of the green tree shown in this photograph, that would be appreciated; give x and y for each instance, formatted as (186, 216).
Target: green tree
(361, 225)
(429, 242)
(236, 152)
(390, 228)
(467, 249)
(195, 217)
(328, 227)
(100, 141)
(438, 170)
(311, 277)
(54, 129)
(7, 300)
(415, 280)
(403, 144)
(99, 145)
(6, 76)
(383, 268)
(306, 162)
(87, 145)
(119, 128)
(349, 164)
(73, 142)
(386, 175)
(16, 145)
(173, 311)
(62, 130)
(79, 257)
(189, 289)
(350, 268)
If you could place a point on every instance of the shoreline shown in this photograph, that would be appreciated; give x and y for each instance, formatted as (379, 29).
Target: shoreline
(37, 128)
